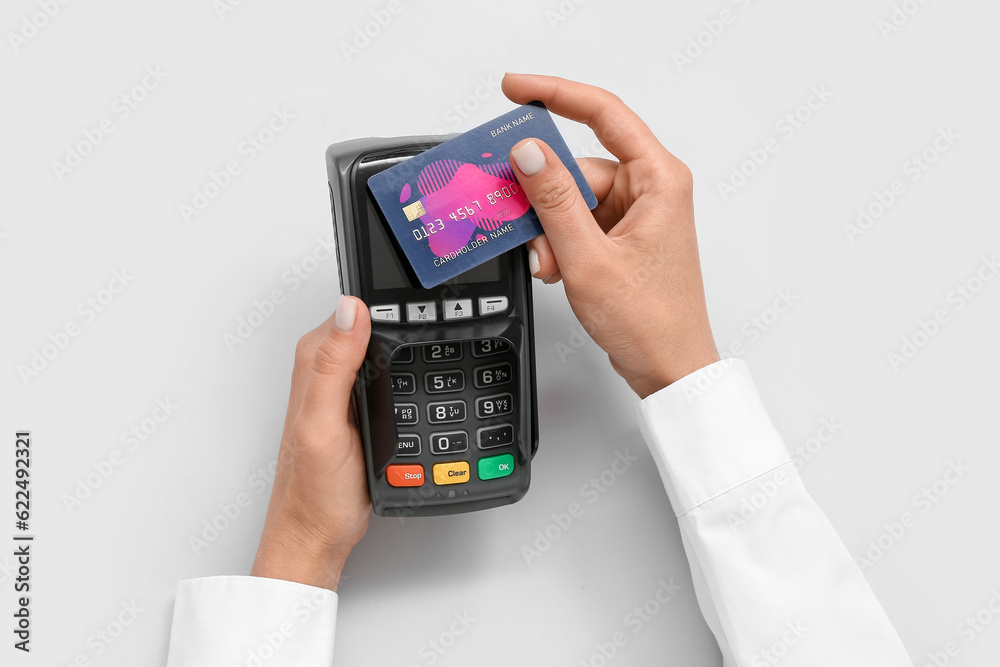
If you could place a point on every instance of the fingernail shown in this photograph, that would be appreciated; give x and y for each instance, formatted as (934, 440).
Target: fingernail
(533, 264)
(347, 311)
(529, 157)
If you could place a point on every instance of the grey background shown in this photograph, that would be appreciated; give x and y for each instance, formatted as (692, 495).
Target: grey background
(163, 336)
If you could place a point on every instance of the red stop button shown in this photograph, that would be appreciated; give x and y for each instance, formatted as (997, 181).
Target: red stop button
(405, 475)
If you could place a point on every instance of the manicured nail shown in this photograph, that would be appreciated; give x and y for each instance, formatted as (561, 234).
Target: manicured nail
(347, 311)
(533, 264)
(529, 157)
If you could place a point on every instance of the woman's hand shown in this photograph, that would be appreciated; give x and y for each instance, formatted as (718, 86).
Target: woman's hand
(319, 505)
(630, 268)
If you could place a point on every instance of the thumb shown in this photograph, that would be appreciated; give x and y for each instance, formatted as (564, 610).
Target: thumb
(570, 227)
(339, 353)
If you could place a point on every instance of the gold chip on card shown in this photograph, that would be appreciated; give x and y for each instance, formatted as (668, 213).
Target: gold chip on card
(414, 211)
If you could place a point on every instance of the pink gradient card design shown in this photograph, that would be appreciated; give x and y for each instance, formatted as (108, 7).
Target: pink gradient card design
(459, 204)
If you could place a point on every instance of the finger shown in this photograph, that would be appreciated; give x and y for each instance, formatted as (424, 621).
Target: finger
(572, 231)
(600, 175)
(541, 259)
(298, 383)
(554, 278)
(617, 127)
(305, 354)
(335, 365)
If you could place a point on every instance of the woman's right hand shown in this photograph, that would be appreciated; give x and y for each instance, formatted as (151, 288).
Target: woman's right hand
(630, 268)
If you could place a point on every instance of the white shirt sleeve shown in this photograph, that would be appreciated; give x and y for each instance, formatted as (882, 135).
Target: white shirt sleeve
(251, 621)
(772, 577)
(773, 580)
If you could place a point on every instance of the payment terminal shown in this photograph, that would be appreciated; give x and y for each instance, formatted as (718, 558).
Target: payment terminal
(445, 397)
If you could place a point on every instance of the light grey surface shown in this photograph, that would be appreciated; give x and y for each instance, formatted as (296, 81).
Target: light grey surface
(163, 336)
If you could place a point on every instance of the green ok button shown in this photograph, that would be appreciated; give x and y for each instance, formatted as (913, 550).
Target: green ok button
(495, 467)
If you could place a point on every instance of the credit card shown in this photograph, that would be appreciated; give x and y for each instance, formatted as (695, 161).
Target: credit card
(459, 204)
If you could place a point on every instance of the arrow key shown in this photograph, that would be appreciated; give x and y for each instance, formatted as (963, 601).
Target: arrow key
(457, 309)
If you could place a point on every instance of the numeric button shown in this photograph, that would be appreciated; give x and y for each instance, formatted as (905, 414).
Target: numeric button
(403, 383)
(494, 406)
(489, 346)
(442, 382)
(449, 443)
(440, 352)
(491, 376)
(446, 412)
(406, 413)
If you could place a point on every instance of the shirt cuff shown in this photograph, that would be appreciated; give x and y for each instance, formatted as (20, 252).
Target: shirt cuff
(240, 620)
(709, 433)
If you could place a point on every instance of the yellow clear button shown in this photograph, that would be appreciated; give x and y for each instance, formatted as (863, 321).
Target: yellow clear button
(456, 472)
